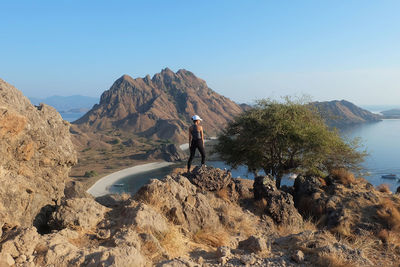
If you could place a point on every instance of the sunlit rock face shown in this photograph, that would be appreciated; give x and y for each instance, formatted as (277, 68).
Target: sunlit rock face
(36, 154)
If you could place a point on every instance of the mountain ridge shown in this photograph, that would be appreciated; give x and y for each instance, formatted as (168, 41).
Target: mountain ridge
(342, 113)
(159, 107)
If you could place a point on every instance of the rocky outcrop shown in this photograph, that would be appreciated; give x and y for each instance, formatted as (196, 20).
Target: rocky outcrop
(280, 205)
(343, 113)
(159, 107)
(78, 213)
(347, 205)
(179, 201)
(213, 179)
(173, 222)
(36, 154)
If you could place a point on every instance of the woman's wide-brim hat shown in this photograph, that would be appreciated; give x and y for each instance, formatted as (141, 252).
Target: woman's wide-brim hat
(196, 118)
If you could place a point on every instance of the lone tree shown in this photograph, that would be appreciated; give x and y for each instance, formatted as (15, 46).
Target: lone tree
(288, 137)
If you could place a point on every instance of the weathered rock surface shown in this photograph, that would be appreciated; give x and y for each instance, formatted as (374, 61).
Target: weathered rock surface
(179, 201)
(254, 244)
(36, 154)
(81, 213)
(347, 207)
(280, 206)
(213, 179)
(144, 217)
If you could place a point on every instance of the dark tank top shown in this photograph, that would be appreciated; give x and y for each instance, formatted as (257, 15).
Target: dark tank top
(196, 134)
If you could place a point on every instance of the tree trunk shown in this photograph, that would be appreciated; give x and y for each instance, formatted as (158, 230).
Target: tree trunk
(278, 181)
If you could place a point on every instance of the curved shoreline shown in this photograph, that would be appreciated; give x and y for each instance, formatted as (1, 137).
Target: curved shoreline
(100, 188)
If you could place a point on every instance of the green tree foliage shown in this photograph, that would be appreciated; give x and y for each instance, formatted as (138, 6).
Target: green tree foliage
(287, 137)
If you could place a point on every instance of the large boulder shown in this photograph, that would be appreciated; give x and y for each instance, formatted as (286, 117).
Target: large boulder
(213, 179)
(279, 205)
(80, 213)
(36, 154)
(145, 218)
(178, 200)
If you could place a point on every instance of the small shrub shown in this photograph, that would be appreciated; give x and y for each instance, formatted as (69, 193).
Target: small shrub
(86, 149)
(384, 188)
(390, 214)
(89, 174)
(343, 176)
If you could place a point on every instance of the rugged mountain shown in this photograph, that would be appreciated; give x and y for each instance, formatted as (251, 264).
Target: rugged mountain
(344, 113)
(159, 107)
(36, 154)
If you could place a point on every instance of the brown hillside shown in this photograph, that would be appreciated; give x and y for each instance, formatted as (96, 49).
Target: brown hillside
(159, 107)
(343, 113)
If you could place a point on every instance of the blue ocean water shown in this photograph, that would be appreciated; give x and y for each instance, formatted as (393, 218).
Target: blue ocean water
(381, 139)
(382, 142)
(71, 116)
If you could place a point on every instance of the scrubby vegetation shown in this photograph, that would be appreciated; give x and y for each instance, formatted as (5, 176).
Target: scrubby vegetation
(89, 174)
(280, 138)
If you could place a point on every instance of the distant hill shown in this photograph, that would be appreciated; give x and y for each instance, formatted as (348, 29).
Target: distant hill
(67, 104)
(344, 113)
(391, 114)
(159, 107)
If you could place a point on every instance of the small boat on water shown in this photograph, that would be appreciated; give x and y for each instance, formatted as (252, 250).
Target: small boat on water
(389, 176)
(118, 185)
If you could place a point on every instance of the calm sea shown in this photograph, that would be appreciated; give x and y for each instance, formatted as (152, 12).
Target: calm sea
(71, 116)
(381, 140)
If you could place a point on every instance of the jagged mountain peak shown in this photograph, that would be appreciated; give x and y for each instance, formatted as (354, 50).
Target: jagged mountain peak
(160, 107)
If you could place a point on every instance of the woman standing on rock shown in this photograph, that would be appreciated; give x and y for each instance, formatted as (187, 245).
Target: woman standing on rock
(196, 140)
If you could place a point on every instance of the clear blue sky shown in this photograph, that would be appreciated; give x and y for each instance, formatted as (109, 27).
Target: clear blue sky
(244, 49)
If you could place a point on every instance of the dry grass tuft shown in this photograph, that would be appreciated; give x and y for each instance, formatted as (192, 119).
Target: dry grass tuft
(212, 237)
(288, 229)
(391, 239)
(343, 176)
(223, 194)
(336, 260)
(390, 214)
(384, 188)
(344, 229)
(174, 242)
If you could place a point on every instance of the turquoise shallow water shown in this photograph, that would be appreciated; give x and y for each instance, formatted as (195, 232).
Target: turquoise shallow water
(381, 139)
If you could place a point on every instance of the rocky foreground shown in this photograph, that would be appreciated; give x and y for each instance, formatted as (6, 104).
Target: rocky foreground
(208, 218)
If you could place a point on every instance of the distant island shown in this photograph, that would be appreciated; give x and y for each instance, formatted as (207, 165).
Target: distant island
(391, 114)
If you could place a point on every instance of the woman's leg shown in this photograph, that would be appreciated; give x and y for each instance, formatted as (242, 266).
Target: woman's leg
(200, 146)
(192, 152)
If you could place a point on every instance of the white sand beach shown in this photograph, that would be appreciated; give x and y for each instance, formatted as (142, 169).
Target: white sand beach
(101, 187)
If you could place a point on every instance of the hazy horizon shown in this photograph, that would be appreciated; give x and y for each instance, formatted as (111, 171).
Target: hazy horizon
(243, 50)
